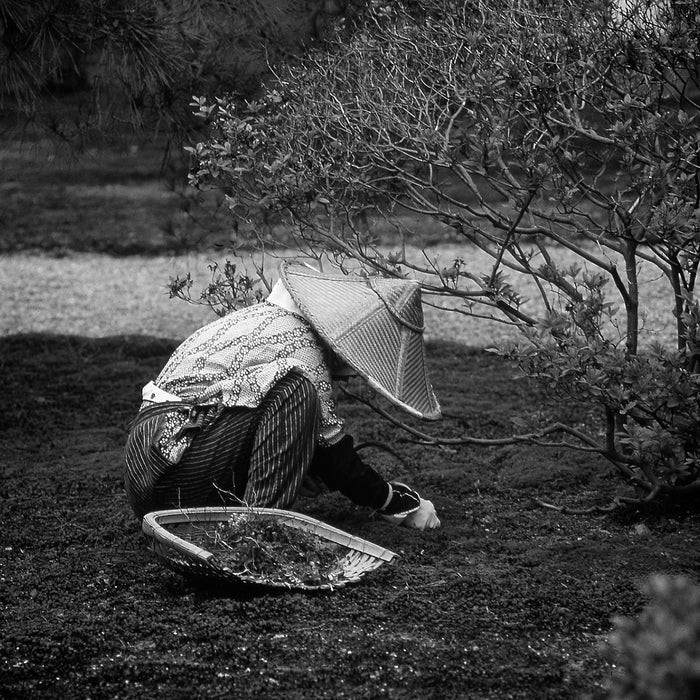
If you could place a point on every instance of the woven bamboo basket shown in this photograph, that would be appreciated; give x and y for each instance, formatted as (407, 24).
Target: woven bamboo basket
(184, 540)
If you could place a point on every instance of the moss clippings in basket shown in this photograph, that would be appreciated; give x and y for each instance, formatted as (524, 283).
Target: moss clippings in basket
(272, 552)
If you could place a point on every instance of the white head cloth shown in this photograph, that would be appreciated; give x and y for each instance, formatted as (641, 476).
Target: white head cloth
(279, 296)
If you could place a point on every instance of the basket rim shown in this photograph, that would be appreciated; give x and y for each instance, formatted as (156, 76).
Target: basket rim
(153, 526)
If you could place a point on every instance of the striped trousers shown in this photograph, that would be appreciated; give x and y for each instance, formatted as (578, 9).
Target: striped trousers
(256, 456)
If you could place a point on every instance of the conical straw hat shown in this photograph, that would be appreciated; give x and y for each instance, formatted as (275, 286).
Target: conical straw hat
(375, 325)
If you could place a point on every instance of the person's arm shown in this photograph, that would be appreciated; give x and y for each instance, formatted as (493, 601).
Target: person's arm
(342, 469)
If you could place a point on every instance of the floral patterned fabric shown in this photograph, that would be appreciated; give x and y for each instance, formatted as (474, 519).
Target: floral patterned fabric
(235, 361)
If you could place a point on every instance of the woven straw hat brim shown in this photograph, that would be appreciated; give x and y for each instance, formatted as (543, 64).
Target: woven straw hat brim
(373, 324)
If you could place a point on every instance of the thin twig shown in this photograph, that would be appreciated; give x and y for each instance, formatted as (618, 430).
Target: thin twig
(577, 511)
(428, 439)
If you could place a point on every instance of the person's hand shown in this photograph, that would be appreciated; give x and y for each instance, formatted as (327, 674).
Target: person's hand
(406, 507)
(425, 518)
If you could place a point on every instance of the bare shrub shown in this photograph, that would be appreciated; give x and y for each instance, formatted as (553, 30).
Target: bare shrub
(524, 128)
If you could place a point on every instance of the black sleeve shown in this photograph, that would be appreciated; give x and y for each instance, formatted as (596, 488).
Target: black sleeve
(341, 469)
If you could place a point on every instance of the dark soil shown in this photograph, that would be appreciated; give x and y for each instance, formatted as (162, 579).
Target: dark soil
(506, 600)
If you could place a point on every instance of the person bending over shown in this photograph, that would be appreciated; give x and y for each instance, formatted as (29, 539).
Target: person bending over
(244, 409)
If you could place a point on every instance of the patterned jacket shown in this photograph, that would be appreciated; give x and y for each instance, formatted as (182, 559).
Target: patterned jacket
(236, 359)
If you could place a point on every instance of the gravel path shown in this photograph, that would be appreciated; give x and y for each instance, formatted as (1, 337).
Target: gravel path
(96, 295)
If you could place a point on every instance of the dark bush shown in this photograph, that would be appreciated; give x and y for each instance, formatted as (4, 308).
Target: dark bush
(658, 654)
